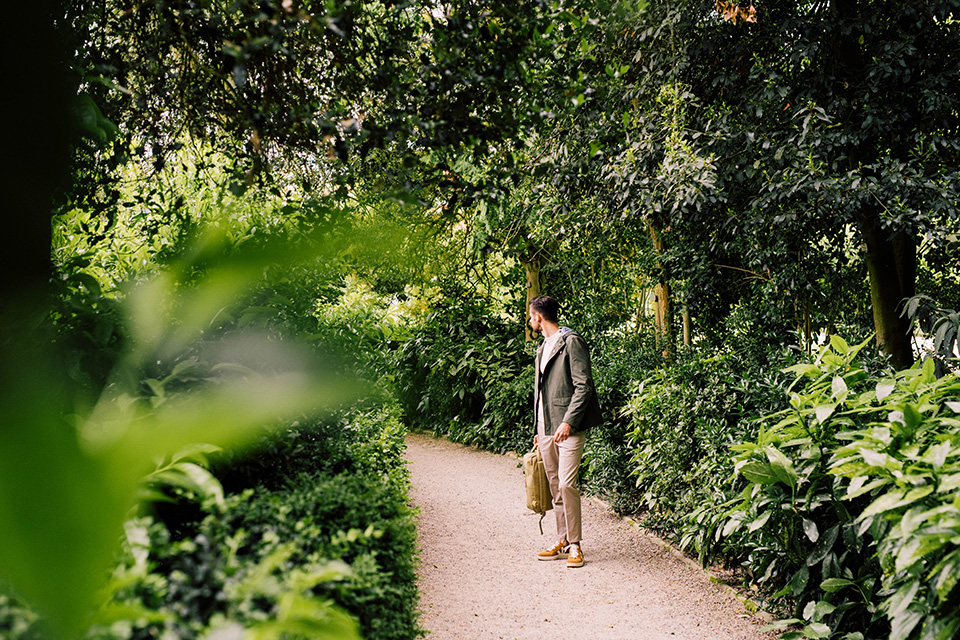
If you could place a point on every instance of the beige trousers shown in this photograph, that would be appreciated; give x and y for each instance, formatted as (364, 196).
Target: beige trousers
(561, 461)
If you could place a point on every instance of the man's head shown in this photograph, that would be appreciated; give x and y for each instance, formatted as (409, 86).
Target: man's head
(543, 308)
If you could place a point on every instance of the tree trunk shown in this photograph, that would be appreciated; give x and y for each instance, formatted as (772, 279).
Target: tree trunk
(892, 267)
(687, 327)
(664, 336)
(531, 268)
(891, 256)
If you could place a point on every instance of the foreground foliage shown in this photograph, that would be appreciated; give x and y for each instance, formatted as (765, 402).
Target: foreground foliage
(851, 503)
(322, 546)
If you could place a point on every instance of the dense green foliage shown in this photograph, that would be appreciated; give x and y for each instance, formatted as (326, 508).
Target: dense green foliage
(263, 211)
(466, 374)
(851, 502)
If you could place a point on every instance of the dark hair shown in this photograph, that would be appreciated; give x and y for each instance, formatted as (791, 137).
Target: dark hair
(547, 307)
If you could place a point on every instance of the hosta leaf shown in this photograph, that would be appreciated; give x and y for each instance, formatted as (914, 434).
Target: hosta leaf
(955, 406)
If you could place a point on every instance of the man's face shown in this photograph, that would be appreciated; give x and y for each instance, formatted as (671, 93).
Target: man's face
(535, 320)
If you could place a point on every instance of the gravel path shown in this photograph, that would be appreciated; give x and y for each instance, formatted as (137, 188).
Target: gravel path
(479, 578)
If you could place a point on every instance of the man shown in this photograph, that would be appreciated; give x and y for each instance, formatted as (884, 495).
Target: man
(565, 406)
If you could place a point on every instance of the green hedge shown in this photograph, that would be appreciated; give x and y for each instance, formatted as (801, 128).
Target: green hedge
(683, 420)
(314, 538)
(468, 375)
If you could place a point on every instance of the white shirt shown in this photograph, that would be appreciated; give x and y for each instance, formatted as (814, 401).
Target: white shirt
(549, 346)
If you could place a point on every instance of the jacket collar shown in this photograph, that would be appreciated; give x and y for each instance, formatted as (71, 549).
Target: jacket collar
(562, 333)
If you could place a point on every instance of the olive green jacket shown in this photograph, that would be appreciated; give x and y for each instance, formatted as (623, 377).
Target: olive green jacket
(566, 385)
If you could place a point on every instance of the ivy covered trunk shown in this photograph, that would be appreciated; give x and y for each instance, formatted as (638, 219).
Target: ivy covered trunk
(662, 297)
(531, 268)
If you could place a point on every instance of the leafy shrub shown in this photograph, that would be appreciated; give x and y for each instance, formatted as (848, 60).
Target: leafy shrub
(683, 419)
(17, 621)
(620, 357)
(468, 375)
(323, 547)
(194, 586)
(367, 439)
(852, 496)
(907, 461)
(356, 518)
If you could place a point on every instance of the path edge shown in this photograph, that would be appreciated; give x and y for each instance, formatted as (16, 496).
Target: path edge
(753, 608)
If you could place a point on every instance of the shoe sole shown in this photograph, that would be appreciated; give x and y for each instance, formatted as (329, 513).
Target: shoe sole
(574, 565)
(556, 557)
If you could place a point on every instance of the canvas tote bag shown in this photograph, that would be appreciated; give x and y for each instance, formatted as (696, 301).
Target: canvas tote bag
(535, 480)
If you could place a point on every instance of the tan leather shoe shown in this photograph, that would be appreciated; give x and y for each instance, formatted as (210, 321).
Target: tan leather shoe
(575, 557)
(556, 552)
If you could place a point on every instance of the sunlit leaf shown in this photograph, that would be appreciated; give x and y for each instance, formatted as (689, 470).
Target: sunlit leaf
(811, 530)
(885, 388)
(839, 344)
(824, 411)
(782, 466)
(838, 388)
(759, 472)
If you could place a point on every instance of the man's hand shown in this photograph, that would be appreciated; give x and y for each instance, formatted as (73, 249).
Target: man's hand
(535, 440)
(563, 432)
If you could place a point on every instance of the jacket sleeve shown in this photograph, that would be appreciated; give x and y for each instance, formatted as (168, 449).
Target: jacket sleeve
(582, 377)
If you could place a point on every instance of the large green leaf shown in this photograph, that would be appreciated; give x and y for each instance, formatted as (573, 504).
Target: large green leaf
(782, 466)
(759, 473)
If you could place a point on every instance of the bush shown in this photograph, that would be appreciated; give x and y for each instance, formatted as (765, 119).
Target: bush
(620, 357)
(367, 439)
(468, 375)
(851, 496)
(683, 420)
(323, 546)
